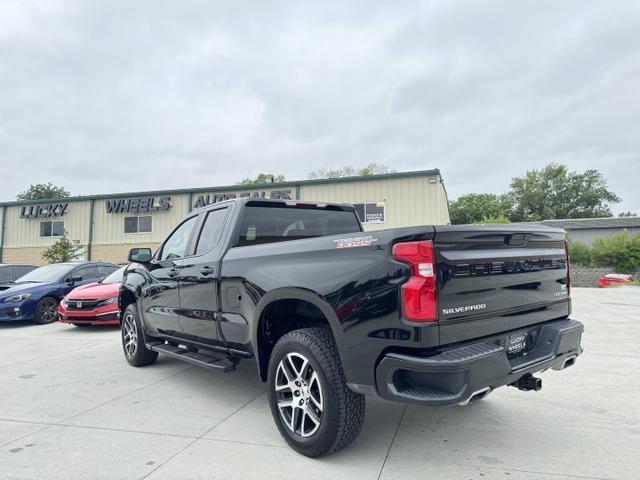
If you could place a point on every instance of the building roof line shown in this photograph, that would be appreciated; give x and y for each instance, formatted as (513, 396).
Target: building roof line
(584, 218)
(230, 188)
(591, 223)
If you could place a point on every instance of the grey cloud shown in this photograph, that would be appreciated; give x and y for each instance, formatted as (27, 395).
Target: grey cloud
(114, 96)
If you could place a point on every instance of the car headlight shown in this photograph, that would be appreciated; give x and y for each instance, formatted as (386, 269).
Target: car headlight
(64, 302)
(107, 301)
(20, 297)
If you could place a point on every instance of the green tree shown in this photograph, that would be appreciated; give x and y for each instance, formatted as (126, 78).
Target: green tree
(621, 251)
(43, 191)
(556, 192)
(63, 250)
(498, 219)
(474, 207)
(372, 168)
(263, 178)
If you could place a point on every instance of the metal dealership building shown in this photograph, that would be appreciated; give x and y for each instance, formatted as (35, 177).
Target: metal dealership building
(108, 225)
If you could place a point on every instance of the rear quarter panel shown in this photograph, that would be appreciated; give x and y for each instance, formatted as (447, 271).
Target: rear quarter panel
(351, 278)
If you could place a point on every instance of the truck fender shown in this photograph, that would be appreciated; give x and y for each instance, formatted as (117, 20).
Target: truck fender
(302, 294)
(132, 287)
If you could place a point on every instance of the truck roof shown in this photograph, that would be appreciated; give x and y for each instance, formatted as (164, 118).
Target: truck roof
(270, 202)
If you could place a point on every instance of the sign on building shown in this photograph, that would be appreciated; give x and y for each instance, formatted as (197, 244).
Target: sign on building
(44, 211)
(138, 205)
(372, 212)
(204, 200)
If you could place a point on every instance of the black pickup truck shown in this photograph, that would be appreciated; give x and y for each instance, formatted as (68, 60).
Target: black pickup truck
(431, 315)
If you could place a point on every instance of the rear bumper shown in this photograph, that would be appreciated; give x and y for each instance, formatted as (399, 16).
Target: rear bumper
(466, 372)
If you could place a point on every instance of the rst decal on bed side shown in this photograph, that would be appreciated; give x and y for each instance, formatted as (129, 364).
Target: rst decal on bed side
(351, 242)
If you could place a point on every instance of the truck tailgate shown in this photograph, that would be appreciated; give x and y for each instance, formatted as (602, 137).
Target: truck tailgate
(498, 278)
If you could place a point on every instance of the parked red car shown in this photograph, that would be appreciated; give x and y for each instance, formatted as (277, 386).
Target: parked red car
(613, 279)
(95, 303)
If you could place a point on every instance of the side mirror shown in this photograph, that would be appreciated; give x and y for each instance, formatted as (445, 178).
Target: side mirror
(72, 280)
(140, 255)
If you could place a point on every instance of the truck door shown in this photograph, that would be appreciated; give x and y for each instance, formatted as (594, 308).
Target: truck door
(160, 300)
(199, 279)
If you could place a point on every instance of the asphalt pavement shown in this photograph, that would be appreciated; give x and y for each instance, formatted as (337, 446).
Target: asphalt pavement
(72, 408)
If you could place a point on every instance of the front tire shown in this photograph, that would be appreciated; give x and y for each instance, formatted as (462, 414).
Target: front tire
(135, 351)
(314, 410)
(46, 311)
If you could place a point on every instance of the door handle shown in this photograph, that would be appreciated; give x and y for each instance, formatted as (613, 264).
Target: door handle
(207, 270)
(172, 273)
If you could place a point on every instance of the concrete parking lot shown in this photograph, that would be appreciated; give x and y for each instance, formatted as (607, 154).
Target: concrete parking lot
(72, 408)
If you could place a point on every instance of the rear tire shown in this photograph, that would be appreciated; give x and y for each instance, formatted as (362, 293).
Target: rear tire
(46, 311)
(314, 410)
(135, 351)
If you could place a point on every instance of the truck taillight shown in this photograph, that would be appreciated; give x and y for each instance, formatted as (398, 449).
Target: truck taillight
(566, 251)
(419, 295)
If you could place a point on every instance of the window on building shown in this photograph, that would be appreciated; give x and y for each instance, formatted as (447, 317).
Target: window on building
(138, 224)
(51, 229)
(211, 230)
(371, 212)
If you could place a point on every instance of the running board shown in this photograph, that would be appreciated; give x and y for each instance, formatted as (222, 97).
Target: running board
(195, 358)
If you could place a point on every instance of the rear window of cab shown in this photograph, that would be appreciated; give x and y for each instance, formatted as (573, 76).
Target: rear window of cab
(277, 224)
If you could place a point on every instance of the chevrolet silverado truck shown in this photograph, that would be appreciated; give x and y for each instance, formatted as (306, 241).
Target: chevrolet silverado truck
(429, 315)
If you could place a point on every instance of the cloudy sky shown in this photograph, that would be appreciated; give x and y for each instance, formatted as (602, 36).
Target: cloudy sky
(110, 96)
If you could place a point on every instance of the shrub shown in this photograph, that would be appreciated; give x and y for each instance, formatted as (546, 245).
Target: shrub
(63, 250)
(579, 253)
(621, 251)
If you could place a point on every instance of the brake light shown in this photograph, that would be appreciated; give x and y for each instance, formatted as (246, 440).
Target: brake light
(419, 295)
(566, 251)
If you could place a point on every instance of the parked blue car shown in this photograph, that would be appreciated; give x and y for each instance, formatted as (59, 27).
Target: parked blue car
(35, 296)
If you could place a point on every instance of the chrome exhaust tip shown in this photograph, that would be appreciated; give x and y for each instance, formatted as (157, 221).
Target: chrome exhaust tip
(477, 395)
(569, 361)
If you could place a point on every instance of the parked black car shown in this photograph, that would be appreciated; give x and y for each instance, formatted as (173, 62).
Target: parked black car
(10, 272)
(432, 315)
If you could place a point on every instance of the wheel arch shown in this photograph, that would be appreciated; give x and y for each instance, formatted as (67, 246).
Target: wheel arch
(304, 308)
(126, 297)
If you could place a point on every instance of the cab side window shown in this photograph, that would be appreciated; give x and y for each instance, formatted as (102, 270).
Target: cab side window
(176, 245)
(211, 230)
